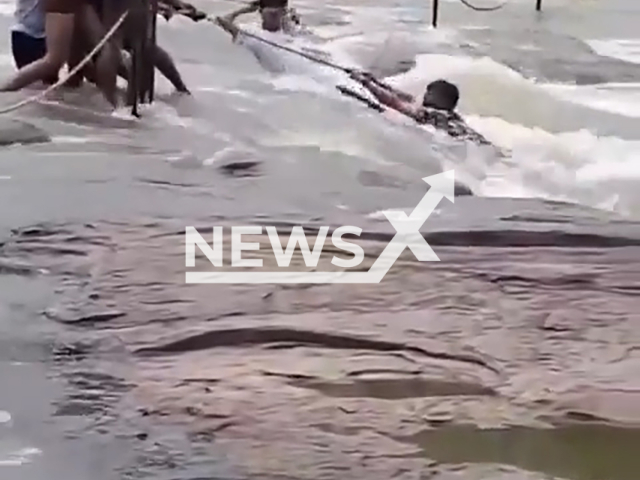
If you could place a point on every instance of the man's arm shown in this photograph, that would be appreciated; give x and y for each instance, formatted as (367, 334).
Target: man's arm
(228, 21)
(399, 101)
(404, 96)
(361, 76)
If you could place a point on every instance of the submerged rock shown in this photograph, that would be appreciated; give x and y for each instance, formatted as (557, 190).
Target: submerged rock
(246, 167)
(461, 190)
(16, 131)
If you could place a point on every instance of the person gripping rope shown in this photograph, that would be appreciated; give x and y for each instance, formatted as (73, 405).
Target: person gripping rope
(59, 27)
(436, 109)
(273, 15)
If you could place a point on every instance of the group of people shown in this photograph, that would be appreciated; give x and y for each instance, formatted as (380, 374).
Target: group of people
(52, 33)
(437, 107)
(49, 34)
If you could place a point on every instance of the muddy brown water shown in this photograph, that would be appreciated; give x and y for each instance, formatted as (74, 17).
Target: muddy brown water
(581, 452)
(497, 362)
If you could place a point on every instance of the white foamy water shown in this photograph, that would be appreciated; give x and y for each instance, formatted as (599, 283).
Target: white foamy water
(618, 98)
(572, 165)
(9, 455)
(6, 60)
(18, 457)
(622, 49)
(7, 9)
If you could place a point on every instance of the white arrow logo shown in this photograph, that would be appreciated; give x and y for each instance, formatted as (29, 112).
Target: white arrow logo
(407, 236)
(408, 228)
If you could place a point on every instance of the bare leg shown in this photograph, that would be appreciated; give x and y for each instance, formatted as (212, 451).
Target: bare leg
(106, 65)
(93, 30)
(167, 67)
(162, 60)
(78, 51)
(111, 12)
(59, 31)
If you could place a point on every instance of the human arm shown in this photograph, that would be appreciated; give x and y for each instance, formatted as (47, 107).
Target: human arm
(168, 8)
(392, 98)
(228, 21)
(404, 96)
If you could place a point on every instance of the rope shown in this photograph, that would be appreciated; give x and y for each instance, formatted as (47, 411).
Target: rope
(369, 103)
(467, 3)
(197, 15)
(85, 60)
(345, 91)
(321, 61)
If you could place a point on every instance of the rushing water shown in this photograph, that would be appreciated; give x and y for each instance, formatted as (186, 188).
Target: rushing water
(559, 90)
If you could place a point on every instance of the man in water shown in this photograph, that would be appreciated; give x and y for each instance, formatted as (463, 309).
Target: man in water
(278, 24)
(437, 109)
(272, 14)
(276, 16)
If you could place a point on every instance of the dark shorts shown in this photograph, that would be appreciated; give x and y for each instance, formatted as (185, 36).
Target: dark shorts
(27, 49)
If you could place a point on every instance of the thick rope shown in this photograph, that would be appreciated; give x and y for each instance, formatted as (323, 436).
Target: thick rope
(289, 49)
(468, 4)
(345, 91)
(321, 61)
(76, 69)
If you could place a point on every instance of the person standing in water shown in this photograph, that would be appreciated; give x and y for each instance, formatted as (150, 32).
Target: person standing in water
(28, 42)
(276, 16)
(59, 23)
(277, 22)
(272, 15)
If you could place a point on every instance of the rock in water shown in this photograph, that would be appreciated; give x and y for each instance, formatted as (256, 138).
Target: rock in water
(461, 190)
(15, 131)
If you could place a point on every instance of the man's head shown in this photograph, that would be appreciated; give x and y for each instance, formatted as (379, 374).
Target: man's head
(442, 95)
(273, 13)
